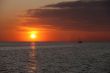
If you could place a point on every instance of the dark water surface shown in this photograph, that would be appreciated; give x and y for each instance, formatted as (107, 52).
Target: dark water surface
(54, 57)
(18, 59)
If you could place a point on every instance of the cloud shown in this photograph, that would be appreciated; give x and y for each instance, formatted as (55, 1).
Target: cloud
(82, 4)
(74, 15)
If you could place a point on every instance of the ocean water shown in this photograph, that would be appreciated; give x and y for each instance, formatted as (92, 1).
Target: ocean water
(55, 57)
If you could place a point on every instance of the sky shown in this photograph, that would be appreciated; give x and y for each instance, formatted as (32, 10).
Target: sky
(21, 5)
(55, 20)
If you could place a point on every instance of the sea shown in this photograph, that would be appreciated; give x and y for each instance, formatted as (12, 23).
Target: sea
(54, 57)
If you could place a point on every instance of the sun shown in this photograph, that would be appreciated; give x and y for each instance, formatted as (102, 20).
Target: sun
(33, 35)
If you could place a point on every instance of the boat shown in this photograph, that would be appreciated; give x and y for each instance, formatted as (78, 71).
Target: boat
(80, 41)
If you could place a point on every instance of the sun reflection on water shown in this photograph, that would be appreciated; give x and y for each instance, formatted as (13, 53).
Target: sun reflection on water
(32, 59)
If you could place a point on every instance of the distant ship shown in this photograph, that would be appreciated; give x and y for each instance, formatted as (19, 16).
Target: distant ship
(80, 41)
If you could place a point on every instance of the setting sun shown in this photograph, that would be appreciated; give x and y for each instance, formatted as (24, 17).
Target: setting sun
(33, 35)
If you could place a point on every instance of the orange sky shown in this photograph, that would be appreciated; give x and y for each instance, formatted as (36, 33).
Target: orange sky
(54, 35)
(62, 24)
(21, 32)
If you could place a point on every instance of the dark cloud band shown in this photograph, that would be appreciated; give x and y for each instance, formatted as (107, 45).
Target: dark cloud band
(89, 16)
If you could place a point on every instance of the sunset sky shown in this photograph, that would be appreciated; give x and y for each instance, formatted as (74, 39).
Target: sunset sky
(55, 20)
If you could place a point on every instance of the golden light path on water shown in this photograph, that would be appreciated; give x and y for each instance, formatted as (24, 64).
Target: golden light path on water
(32, 66)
